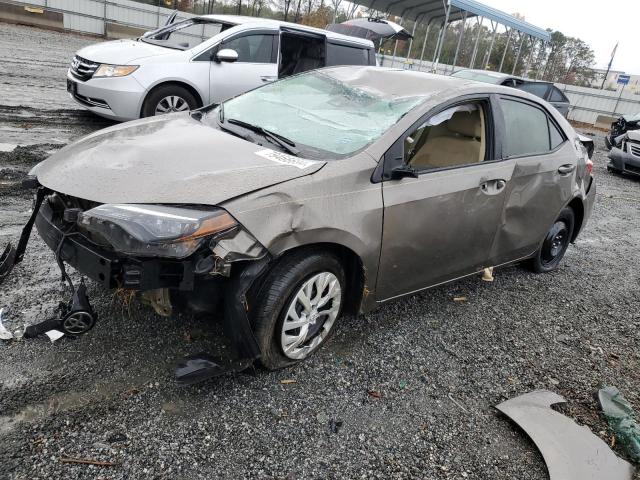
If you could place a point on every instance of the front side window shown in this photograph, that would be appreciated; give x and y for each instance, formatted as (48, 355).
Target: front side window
(450, 138)
(251, 48)
(325, 116)
(528, 130)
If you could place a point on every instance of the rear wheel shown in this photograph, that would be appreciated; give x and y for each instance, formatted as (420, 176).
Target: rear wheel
(295, 310)
(555, 244)
(168, 99)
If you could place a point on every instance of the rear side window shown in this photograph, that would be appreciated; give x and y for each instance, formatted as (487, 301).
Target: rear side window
(537, 89)
(343, 55)
(252, 48)
(528, 130)
(557, 95)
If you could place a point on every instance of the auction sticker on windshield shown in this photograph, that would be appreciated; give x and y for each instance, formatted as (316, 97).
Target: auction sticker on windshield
(285, 159)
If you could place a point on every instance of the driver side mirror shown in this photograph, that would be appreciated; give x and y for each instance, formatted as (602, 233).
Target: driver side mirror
(227, 55)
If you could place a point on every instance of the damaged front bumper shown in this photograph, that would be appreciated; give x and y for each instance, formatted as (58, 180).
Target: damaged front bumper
(624, 162)
(223, 270)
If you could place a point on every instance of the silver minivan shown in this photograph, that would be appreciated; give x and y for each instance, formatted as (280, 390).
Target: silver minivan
(202, 60)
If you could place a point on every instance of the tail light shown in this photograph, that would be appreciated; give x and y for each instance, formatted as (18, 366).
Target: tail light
(590, 166)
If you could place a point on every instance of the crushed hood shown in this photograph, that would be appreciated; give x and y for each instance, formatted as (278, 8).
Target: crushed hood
(122, 52)
(168, 159)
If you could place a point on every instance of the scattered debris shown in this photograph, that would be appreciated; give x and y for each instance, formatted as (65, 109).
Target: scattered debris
(87, 461)
(458, 404)
(374, 393)
(335, 425)
(622, 421)
(54, 335)
(402, 384)
(460, 299)
(4, 333)
(117, 437)
(288, 381)
(487, 274)
(446, 347)
(571, 451)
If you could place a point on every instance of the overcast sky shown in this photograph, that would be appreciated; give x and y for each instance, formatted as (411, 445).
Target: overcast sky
(600, 24)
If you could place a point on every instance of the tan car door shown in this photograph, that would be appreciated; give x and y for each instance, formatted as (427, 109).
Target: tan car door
(443, 201)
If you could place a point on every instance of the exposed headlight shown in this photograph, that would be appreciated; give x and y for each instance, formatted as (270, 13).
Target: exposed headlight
(106, 70)
(154, 230)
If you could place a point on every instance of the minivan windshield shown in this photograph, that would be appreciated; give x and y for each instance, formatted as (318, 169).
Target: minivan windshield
(186, 34)
(325, 117)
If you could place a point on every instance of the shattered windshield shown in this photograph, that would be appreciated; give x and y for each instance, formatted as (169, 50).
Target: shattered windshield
(184, 35)
(329, 117)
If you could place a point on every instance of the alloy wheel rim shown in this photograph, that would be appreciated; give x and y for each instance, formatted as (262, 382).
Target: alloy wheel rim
(170, 104)
(555, 243)
(310, 315)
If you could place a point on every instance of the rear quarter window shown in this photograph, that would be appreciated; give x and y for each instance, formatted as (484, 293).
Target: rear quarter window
(345, 55)
(557, 95)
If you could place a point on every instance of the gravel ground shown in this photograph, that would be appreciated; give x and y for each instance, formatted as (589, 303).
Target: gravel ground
(439, 365)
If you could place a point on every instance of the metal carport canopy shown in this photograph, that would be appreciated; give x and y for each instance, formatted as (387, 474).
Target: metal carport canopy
(420, 10)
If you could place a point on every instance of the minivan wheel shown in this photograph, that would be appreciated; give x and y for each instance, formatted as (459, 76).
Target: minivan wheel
(295, 310)
(555, 243)
(168, 99)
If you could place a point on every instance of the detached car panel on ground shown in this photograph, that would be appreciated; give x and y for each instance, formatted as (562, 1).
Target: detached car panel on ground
(345, 186)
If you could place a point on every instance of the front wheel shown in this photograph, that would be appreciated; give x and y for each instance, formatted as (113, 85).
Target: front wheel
(555, 244)
(296, 307)
(168, 99)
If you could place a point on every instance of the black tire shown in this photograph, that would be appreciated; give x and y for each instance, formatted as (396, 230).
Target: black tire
(269, 307)
(163, 91)
(555, 244)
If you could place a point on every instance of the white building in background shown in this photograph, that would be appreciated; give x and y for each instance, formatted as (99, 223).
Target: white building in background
(611, 83)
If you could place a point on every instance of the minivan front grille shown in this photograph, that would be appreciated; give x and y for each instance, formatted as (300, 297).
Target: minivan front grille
(83, 69)
(634, 149)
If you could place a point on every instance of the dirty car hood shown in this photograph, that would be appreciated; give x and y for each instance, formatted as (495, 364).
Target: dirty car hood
(167, 159)
(121, 52)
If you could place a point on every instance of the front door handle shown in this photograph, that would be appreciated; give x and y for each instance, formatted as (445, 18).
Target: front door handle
(493, 187)
(566, 169)
(268, 79)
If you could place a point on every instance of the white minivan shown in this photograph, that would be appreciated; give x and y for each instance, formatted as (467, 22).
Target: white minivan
(202, 60)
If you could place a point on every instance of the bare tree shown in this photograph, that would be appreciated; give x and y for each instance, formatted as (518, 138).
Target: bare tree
(336, 5)
(351, 10)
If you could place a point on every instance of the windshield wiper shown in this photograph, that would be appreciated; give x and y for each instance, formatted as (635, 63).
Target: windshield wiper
(279, 140)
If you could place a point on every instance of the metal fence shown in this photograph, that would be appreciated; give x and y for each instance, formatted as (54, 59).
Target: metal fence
(122, 18)
(95, 16)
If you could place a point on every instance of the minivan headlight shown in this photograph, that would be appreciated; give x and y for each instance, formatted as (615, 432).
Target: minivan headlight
(106, 70)
(155, 230)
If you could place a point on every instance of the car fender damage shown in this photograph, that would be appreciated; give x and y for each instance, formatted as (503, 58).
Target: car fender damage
(232, 255)
(569, 450)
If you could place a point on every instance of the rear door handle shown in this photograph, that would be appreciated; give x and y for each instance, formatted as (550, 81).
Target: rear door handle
(566, 169)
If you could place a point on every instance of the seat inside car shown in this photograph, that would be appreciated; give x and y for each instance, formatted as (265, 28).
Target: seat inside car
(456, 141)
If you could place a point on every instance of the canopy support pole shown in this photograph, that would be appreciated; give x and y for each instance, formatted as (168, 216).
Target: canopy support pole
(424, 44)
(455, 57)
(395, 47)
(443, 33)
(515, 64)
(413, 32)
(506, 47)
(487, 55)
(530, 58)
(475, 47)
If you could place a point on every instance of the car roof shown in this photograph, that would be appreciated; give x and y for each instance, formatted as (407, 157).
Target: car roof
(244, 20)
(396, 82)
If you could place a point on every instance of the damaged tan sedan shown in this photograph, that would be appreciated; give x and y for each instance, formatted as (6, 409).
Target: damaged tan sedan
(325, 193)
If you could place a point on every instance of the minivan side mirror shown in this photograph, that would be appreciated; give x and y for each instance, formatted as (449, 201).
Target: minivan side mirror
(227, 55)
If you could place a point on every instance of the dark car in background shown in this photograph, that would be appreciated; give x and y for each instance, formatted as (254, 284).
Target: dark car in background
(545, 90)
